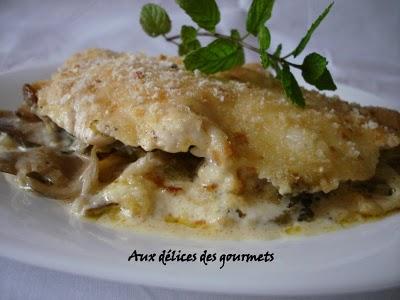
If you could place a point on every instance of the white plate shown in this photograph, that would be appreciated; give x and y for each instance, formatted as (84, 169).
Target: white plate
(40, 232)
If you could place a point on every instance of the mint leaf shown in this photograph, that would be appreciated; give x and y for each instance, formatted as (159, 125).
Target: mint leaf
(291, 87)
(188, 33)
(204, 13)
(303, 43)
(325, 82)
(259, 12)
(265, 61)
(187, 47)
(278, 51)
(314, 71)
(235, 35)
(264, 40)
(220, 55)
(314, 65)
(154, 20)
(189, 40)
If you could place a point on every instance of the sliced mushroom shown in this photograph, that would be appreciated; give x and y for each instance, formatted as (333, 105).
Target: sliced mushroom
(46, 171)
(8, 160)
(30, 132)
(95, 212)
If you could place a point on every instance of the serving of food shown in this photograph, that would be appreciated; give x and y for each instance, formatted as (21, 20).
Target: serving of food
(128, 138)
(205, 143)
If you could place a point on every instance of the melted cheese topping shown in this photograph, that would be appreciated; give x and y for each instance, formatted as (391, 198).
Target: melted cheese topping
(152, 102)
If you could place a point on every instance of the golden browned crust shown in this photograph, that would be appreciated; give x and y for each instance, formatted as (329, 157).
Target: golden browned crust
(152, 102)
(386, 117)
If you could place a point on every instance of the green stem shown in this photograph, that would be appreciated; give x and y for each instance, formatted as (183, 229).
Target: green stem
(287, 55)
(245, 36)
(172, 39)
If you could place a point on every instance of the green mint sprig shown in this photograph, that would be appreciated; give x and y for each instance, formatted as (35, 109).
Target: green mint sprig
(227, 51)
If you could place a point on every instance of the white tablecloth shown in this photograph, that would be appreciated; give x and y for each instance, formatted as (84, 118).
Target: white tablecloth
(360, 39)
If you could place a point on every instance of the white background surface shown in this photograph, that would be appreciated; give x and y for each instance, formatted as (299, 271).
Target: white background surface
(360, 39)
